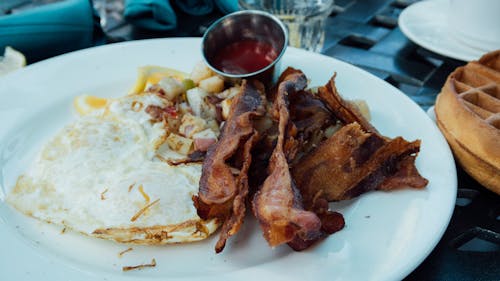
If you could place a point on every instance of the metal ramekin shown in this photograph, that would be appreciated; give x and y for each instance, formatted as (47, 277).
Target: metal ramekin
(245, 25)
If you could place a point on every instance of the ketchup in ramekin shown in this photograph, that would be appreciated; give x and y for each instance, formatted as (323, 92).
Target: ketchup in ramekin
(245, 56)
(245, 44)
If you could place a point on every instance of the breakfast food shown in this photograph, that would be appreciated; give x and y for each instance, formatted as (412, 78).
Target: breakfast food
(184, 154)
(224, 181)
(277, 204)
(468, 114)
(127, 167)
(315, 147)
(356, 158)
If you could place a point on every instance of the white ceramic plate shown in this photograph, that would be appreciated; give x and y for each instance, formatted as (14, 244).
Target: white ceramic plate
(431, 113)
(425, 23)
(386, 236)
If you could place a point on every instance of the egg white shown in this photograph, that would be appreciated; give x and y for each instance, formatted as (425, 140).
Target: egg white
(98, 172)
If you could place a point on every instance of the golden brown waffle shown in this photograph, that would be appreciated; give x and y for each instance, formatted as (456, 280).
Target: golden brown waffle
(468, 114)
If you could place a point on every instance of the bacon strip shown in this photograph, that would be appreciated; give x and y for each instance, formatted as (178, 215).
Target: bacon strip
(356, 159)
(353, 162)
(406, 175)
(233, 223)
(278, 203)
(311, 117)
(224, 181)
(342, 109)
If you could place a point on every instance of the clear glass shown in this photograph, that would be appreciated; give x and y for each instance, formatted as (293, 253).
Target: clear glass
(305, 19)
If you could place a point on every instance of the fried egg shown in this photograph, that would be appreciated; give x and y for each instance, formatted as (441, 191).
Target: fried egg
(101, 175)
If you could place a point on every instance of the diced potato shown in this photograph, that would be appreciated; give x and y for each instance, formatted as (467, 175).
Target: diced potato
(205, 134)
(184, 108)
(314, 90)
(173, 124)
(179, 144)
(263, 123)
(171, 87)
(331, 130)
(200, 71)
(195, 98)
(363, 108)
(229, 93)
(190, 125)
(208, 110)
(214, 84)
(200, 106)
(214, 126)
(226, 107)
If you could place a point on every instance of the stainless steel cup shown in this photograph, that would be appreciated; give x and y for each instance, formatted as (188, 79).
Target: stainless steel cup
(245, 25)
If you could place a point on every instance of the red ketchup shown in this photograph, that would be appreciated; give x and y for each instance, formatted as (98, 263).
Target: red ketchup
(244, 57)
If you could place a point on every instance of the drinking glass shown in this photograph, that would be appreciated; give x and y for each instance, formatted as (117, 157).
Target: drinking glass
(304, 19)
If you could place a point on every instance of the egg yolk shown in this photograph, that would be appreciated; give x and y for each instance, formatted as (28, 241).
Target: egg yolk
(85, 104)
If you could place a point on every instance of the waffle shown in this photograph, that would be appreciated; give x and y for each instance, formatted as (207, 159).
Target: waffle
(468, 114)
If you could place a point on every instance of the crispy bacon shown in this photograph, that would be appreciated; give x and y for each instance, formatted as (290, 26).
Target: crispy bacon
(235, 220)
(289, 72)
(306, 167)
(356, 159)
(342, 109)
(224, 183)
(352, 162)
(278, 203)
(406, 175)
(311, 117)
(309, 113)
